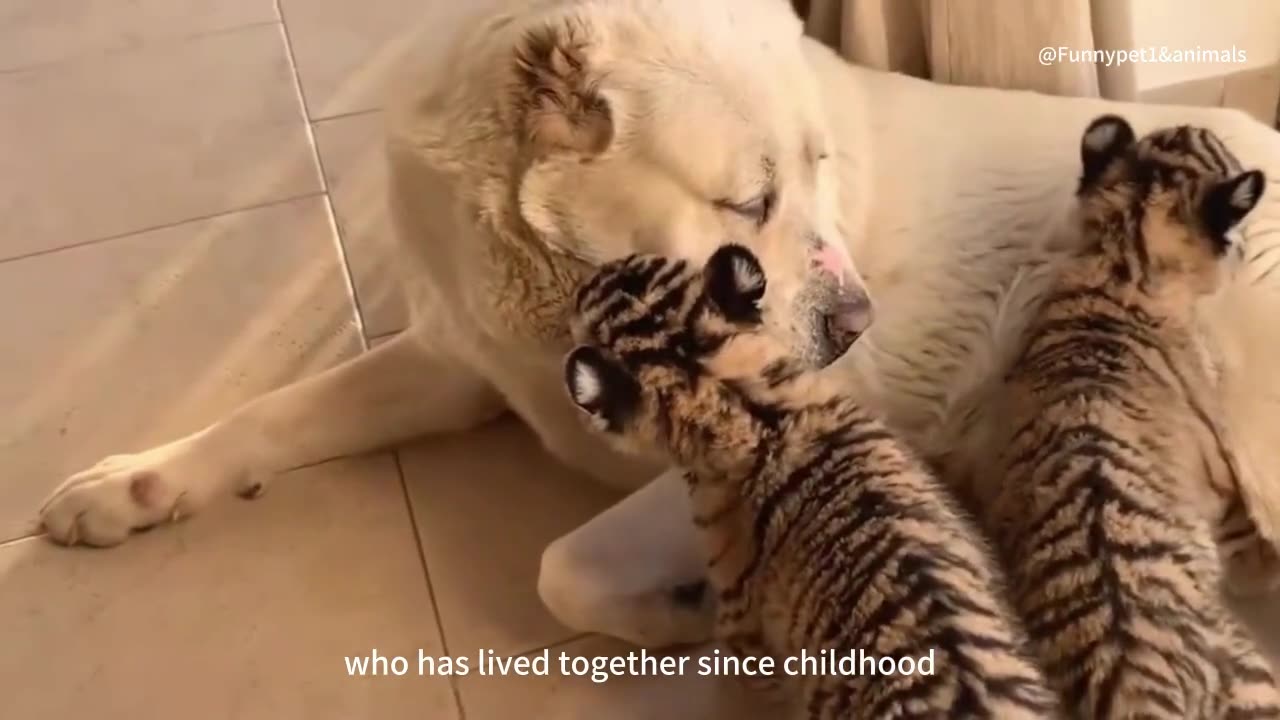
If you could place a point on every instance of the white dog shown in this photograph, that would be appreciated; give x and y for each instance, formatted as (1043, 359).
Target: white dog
(579, 131)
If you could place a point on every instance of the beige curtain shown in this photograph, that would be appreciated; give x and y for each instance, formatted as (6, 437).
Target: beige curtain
(990, 43)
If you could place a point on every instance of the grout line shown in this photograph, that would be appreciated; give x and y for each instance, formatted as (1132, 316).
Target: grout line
(557, 644)
(344, 115)
(20, 538)
(384, 336)
(154, 41)
(426, 576)
(324, 181)
(163, 226)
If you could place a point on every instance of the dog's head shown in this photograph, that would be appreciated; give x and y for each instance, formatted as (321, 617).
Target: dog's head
(675, 127)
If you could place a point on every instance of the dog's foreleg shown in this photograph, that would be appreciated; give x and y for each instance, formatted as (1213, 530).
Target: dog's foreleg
(399, 390)
(634, 572)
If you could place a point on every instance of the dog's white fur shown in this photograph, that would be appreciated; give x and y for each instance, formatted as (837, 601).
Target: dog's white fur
(947, 198)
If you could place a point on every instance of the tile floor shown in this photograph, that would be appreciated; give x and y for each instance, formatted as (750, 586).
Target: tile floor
(194, 194)
(191, 196)
(194, 215)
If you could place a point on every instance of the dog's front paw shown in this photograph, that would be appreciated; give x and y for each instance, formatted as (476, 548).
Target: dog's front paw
(101, 506)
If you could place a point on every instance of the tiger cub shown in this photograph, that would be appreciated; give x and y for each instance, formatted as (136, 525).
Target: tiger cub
(1115, 472)
(822, 531)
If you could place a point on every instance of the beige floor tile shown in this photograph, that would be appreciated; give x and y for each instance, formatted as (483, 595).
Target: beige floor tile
(40, 31)
(558, 696)
(130, 342)
(348, 51)
(127, 141)
(487, 503)
(244, 612)
(351, 150)
(1254, 91)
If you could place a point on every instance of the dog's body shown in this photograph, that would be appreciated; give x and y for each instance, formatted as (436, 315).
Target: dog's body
(516, 168)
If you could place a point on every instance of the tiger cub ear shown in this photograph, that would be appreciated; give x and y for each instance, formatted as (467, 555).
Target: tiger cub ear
(735, 282)
(1106, 138)
(1226, 203)
(559, 103)
(601, 388)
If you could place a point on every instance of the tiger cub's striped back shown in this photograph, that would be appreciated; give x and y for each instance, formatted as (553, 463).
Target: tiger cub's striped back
(823, 532)
(1116, 472)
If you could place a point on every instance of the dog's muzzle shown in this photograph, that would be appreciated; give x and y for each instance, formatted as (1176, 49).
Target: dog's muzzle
(842, 324)
(844, 309)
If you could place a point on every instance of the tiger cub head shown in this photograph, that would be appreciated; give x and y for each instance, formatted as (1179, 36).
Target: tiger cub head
(1162, 207)
(674, 360)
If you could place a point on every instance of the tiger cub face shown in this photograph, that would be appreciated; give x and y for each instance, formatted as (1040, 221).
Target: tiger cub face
(1161, 207)
(670, 354)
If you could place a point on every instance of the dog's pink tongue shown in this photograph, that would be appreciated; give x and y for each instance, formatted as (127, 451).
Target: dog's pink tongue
(829, 260)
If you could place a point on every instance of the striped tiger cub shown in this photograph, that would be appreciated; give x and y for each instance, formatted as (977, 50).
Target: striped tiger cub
(823, 532)
(1116, 474)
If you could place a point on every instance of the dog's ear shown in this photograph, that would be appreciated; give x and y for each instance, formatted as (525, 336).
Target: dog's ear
(1106, 138)
(559, 104)
(735, 282)
(1226, 203)
(601, 388)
